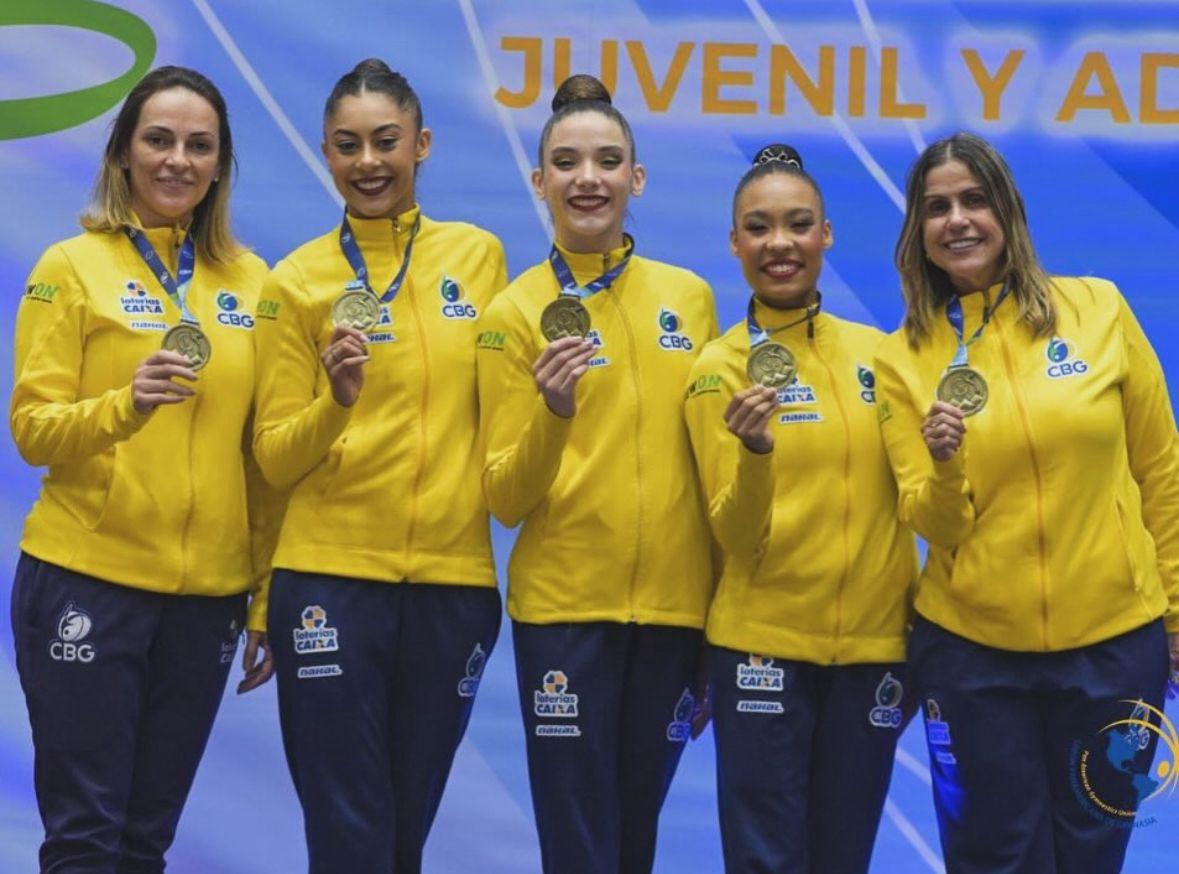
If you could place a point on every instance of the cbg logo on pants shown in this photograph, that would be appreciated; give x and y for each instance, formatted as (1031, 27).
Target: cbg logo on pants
(72, 628)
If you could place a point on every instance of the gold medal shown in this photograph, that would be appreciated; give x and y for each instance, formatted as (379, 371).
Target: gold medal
(356, 309)
(191, 342)
(965, 388)
(771, 365)
(564, 317)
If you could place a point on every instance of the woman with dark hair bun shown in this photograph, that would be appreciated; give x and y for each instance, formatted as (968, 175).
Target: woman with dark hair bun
(807, 628)
(129, 595)
(582, 363)
(1039, 649)
(384, 602)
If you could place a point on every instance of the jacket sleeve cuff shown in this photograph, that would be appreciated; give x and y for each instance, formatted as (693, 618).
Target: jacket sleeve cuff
(128, 419)
(256, 613)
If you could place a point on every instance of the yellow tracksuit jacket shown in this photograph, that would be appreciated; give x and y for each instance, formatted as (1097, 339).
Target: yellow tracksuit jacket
(614, 528)
(156, 501)
(387, 489)
(817, 566)
(1056, 524)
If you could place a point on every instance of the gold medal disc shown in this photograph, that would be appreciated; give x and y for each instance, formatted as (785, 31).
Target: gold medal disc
(356, 309)
(191, 342)
(965, 388)
(564, 317)
(772, 365)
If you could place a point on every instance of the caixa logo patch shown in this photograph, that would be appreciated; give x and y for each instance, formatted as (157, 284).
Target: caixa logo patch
(228, 314)
(72, 630)
(1063, 360)
(453, 306)
(670, 336)
(136, 301)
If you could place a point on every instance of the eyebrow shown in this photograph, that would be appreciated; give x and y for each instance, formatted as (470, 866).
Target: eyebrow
(391, 127)
(797, 212)
(970, 190)
(576, 150)
(165, 129)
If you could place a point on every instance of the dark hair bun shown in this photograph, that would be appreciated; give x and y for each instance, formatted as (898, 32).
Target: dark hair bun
(580, 87)
(372, 66)
(778, 152)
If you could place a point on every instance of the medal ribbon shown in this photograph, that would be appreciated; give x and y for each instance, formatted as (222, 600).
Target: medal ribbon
(569, 286)
(759, 335)
(175, 287)
(957, 322)
(351, 250)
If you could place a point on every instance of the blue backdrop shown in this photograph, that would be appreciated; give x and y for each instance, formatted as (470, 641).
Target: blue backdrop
(1082, 98)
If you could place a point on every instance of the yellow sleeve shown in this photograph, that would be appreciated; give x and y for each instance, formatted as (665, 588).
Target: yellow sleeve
(1153, 448)
(50, 423)
(265, 506)
(738, 484)
(499, 267)
(294, 426)
(523, 439)
(934, 497)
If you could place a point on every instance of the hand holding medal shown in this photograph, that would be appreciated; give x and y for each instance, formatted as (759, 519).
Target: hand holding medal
(565, 323)
(943, 430)
(748, 417)
(344, 360)
(562, 363)
(152, 384)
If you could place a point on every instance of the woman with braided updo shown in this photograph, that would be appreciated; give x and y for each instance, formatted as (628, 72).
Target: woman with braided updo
(807, 628)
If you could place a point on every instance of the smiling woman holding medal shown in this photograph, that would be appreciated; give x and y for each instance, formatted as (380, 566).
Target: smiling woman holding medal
(807, 628)
(129, 594)
(582, 363)
(1052, 520)
(385, 606)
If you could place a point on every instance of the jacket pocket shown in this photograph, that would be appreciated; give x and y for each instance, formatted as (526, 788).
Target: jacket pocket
(1128, 540)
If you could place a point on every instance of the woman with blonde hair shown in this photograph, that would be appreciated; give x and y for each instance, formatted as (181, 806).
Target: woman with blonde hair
(1028, 425)
(134, 389)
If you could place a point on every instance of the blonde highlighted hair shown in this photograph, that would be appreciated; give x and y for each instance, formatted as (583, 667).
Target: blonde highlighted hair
(110, 211)
(924, 285)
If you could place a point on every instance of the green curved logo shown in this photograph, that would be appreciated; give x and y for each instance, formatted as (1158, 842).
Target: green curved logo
(33, 116)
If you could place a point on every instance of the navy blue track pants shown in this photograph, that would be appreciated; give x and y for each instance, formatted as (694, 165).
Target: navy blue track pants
(375, 687)
(607, 710)
(804, 757)
(1027, 777)
(122, 686)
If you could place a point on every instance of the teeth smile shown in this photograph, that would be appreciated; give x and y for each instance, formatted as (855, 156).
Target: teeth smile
(781, 271)
(963, 244)
(370, 186)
